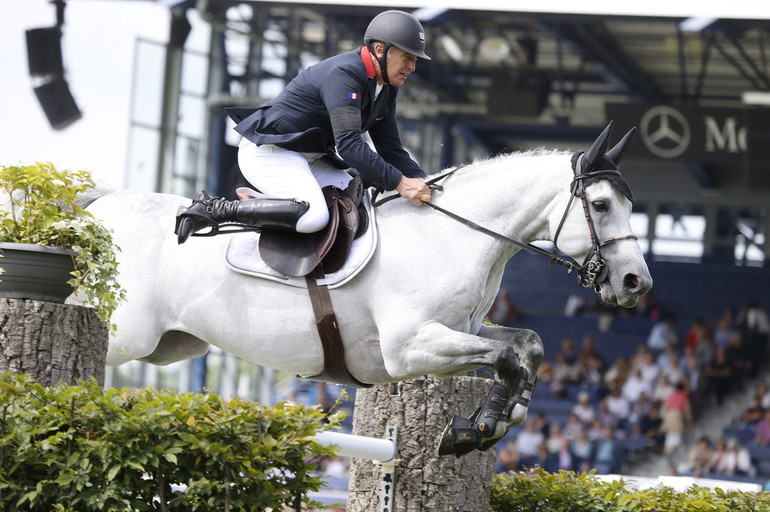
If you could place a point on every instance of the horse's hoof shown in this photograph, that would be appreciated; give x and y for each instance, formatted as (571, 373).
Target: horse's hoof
(459, 437)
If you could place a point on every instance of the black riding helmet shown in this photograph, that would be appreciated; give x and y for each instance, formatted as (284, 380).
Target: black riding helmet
(395, 28)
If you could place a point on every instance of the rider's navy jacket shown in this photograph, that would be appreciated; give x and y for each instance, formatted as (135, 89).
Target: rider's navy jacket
(329, 105)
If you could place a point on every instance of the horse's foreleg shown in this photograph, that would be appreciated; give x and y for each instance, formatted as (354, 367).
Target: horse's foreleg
(529, 349)
(515, 354)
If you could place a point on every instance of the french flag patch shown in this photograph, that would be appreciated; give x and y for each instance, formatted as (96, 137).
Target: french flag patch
(354, 96)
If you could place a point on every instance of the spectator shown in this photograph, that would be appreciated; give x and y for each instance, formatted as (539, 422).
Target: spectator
(739, 459)
(718, 376)
(762, 432)
(595, 429)
(741, 357)
(619, 407)
(763, 392)
(617, 373)
(720, 463)
(543, 459)
(645, 361)
(563, 371)
(563, 457)
(697, 332)
(635, 385)
(606, 417)
(546, 376)
(569, 350)
(555, 438)
(573, 427)
(650, 427)
(723, 330)
(588, 350)
(638, 409)
(507, 457)
(677, 415)
(589, 372)
(608, 454)
(582, 451)
(583, 409)
(699, 458)
(529, 439)
(662, 389)
(693, 377)
(672, 367)
(754, 413)
(663, 333)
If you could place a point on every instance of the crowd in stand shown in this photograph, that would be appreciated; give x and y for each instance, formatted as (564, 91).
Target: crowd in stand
(646, 400)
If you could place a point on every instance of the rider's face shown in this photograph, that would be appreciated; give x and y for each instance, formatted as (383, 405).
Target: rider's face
(399, 63)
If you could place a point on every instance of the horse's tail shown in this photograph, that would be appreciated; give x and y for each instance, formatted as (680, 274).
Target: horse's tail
(85, 199)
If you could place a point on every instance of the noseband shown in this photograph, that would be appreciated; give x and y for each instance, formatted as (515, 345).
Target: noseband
(594, 270)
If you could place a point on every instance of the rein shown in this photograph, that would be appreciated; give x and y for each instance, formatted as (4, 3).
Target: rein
(592, 272)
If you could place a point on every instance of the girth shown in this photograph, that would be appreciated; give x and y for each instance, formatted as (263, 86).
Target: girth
(335, 369)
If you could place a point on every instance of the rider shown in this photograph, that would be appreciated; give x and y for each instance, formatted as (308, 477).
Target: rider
(304, 138)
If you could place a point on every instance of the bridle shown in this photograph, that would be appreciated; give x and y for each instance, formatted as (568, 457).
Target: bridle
(594, 270)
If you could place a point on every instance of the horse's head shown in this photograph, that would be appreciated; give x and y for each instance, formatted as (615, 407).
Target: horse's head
(596, 228)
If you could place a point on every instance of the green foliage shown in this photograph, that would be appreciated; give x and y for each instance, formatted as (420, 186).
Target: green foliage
(81, 448)
(537, 490)
(41, 209)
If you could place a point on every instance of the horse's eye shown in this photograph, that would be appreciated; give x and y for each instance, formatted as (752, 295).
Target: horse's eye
(599, 206)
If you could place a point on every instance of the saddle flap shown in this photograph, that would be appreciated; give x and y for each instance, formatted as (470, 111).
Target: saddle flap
(346, 233)
(297, 254)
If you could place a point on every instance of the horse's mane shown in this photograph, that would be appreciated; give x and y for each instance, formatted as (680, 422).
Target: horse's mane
(490, 161)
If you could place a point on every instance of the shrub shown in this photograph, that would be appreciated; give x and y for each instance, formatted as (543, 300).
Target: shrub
(81, 448)
(537, 490)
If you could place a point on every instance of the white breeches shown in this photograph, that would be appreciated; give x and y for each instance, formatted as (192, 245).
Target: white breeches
(284, 174)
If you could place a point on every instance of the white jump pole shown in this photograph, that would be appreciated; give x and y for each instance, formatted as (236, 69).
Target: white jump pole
(381, 451)
(350, 445)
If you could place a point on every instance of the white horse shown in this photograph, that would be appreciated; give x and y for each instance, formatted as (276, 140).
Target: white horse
(418, 305)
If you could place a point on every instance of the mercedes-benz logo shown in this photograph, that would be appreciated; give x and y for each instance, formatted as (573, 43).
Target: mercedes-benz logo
(665, 132)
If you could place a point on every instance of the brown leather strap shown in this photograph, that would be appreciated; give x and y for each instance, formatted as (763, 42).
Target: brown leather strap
(335, 369)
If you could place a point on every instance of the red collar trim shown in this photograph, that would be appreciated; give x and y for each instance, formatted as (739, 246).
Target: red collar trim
(366, 58)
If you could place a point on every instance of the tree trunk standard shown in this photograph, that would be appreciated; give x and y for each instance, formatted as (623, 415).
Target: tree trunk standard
(52, 342)
(425, 482)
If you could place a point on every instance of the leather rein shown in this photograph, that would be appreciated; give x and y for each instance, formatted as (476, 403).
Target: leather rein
(593, 271)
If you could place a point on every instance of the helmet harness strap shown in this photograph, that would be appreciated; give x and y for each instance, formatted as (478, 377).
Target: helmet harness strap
(383, 61)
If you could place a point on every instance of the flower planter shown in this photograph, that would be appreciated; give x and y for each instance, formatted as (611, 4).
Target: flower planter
(35, 272)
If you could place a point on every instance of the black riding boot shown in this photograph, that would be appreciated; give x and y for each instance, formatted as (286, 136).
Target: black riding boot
(254, 214)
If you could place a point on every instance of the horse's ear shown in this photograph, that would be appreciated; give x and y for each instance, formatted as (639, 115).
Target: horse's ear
(594, 155)
(620, 149)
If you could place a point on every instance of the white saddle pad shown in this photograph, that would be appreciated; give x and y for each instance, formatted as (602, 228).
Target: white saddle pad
(242, 256)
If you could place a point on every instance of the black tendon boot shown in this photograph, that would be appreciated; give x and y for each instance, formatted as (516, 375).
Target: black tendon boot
(249, 214)
(480, 430)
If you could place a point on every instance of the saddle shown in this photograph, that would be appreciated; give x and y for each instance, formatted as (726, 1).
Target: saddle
(298, 254)
(312, 256)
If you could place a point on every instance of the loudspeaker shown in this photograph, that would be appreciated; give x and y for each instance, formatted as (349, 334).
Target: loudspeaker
(757, 155)
(523, 94)
(44, 51)
(58, 104)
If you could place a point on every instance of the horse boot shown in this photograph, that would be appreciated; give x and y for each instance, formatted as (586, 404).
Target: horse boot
(463, 435)
(250, 214)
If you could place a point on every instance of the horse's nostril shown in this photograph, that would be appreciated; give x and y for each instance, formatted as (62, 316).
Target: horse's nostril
(631, 281)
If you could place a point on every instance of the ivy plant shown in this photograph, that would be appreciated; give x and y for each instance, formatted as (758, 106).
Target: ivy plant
(41, 208)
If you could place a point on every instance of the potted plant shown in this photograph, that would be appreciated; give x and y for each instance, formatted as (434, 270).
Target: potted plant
(45, 232)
